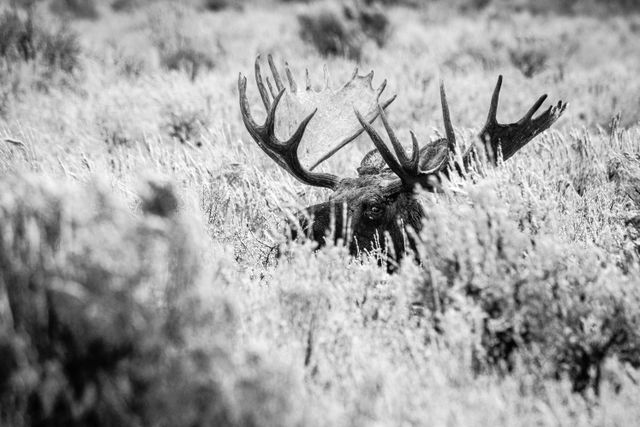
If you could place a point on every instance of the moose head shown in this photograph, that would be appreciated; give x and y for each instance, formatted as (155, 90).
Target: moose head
(374, 210)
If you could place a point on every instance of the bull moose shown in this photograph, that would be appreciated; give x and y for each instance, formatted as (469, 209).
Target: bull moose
(374, 210)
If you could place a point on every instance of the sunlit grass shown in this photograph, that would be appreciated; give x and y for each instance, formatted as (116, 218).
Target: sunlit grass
(318, 338)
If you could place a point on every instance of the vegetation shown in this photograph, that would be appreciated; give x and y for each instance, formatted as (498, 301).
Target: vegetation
(139, 225)
(25, 39)
(78, 8)
(343, 31)
(103, 307)
(180, 44)
(34, 55)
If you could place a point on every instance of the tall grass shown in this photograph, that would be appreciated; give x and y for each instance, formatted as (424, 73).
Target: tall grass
(110, 318)
(132, 300)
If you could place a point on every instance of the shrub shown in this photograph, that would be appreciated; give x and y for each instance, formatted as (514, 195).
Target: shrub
(343, 31)
(186, 124)
(547, 306)
(124, 5)
(180, 45)
(623, 5)
(61, 50)
(567, 6)
(373, 22)
(104, 307)
(78, 8)
(472, 51)
(34, 55)
(25, 40)
(406, 3)
(115, 129)
(130, 65)
(17, 37)
(530, 56)
(186, 57)
(330, 33)
(218, 5)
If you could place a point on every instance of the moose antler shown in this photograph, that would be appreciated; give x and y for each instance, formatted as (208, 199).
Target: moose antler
(297, 108)
(444, 153)
(406, 168)
(412, 171)
(509, 138)
(285, 154)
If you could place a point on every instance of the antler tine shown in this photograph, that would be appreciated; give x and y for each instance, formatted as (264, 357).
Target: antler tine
(285, 154)
(270, 123)
(292, 82)
(410, 165)
(275, 73)
(509, 138)
(407, 169)
(245, 110)
(446, 118)
(533, 109)
(386, 154)
(289, 152)
(255, 130)
(263, 91)
(381, 89)
(307, 79)
(493, 107)
(271, 89)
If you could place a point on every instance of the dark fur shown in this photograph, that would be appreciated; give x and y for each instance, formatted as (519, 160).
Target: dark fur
(372, 221)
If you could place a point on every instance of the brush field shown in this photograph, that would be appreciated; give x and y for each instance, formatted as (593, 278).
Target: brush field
(138, 220)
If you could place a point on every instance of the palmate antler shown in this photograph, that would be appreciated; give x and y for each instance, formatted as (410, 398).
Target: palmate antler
(509, 138)
(333, 121)
(496, 137)
(285, 154)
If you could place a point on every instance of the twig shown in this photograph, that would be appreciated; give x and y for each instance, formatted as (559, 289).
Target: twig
(15, 142)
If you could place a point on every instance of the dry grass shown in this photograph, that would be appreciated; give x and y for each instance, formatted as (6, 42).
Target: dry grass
(319, 339)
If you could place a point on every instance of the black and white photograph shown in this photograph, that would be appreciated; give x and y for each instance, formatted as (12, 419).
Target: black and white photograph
(309, 213)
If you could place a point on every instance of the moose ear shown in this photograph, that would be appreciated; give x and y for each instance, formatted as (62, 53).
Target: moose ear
(433, 155)
(372, 164)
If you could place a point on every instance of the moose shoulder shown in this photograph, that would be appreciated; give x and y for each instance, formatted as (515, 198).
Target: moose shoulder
(374, 210)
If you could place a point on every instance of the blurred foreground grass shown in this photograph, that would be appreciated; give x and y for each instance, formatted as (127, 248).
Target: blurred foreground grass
(138, 219)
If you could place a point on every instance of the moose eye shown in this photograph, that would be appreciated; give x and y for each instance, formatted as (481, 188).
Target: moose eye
(374, 212)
